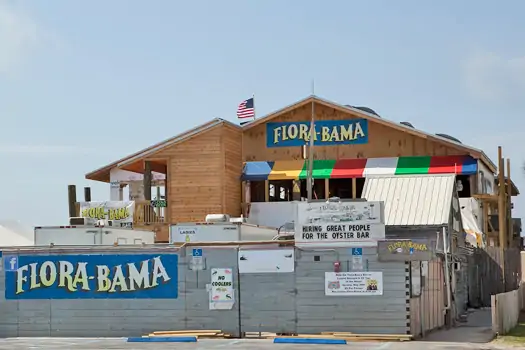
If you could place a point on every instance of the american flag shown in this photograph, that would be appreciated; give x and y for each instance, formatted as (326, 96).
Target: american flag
(246, 109)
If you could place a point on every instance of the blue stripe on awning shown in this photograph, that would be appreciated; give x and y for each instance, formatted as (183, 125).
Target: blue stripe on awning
(256, 171)
(469, 166)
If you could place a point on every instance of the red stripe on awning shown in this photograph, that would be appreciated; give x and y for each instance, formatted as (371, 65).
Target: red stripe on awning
(348, 168)
(446, 164)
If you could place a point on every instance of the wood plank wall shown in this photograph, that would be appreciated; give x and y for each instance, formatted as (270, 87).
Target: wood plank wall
(382, 140)
(204, 174)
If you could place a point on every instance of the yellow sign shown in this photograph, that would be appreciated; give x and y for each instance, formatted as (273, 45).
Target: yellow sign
(111, 210)
(406, 246)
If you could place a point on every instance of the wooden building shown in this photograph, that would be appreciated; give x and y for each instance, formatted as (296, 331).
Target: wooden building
(221, 167)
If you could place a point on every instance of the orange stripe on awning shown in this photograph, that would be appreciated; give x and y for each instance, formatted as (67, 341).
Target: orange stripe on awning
(286, 170)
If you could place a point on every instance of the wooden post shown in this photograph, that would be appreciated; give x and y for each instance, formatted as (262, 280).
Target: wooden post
(510, 237)
(72, 200)
(501, 215)
(327, 189)
(147, 180)
(266, 190)
(501, 200)
(354, 187)
(87, 194)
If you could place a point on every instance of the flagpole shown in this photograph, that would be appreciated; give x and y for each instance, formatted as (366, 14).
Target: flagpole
(309, 182)
(253, 98)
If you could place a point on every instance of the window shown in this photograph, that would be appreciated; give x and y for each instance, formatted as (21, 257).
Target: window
(257, 191)
(341, 188)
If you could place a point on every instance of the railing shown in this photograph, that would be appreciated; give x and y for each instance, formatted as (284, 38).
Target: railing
(150, 212)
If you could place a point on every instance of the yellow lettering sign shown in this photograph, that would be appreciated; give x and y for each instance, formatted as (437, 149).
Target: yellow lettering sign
(407, 245)
(329, 132)
(101, 213)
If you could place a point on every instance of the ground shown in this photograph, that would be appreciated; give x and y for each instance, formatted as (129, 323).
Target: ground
(111, 344)
(516, 337)
(474, 334)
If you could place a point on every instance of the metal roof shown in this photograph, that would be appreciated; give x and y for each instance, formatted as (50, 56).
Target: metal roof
(413, 200)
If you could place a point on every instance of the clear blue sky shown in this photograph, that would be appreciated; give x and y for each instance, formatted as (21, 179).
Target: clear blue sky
(85, 83)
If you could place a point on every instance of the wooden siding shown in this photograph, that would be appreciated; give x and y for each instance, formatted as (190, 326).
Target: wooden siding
(382, 141)
(204, 175)
(232, 147)
(195, 177)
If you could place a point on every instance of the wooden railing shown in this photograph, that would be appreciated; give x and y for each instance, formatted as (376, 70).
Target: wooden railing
(150, 212)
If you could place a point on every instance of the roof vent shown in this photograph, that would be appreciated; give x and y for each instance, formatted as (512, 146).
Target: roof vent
(365, 109)
(407, 124)
(452, 138)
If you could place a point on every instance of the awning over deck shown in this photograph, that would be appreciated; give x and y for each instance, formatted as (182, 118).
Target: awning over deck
(355, 168)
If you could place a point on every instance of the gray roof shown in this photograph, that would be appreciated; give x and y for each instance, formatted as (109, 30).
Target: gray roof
(414, 200)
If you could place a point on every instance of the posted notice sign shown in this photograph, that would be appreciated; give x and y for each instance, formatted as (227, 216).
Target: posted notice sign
(353, 283)
(340, 234)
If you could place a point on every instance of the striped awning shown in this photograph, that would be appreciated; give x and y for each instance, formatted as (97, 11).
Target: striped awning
(353, 168)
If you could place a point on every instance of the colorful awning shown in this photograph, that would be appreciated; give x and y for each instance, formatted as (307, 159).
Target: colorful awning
(354, 168)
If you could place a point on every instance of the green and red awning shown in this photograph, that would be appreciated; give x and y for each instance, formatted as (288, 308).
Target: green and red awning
(354, 168)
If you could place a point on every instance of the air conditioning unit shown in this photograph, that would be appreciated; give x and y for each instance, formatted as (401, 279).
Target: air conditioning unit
(78, 221)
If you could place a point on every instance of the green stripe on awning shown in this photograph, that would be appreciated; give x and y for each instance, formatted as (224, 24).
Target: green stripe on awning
(413, 165)
(322, 169)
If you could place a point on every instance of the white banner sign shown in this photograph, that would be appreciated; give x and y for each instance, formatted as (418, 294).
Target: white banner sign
(121, 212)
(340, 234)
(341, 212)
(353, 283)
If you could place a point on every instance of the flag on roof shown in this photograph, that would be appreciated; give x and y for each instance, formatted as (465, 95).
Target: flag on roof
(246, 109)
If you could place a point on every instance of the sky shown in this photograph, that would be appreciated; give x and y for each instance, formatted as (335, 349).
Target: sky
(83, 84)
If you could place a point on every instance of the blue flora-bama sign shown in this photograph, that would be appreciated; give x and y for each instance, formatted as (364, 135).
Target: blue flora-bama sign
(327, 133)
(101, 276)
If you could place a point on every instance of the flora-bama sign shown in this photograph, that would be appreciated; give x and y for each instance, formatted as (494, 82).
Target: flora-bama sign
(119, 211)
(91, 276)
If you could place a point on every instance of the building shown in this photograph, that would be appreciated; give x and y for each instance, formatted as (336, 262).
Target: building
(255, 170)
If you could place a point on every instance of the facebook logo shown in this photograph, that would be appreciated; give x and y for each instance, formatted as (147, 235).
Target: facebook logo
(10, 263)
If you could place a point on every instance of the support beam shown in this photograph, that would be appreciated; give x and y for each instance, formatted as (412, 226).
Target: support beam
(72, 200)
(501, 200)
(354, 188)
(87, 194)
(266, 190)
(326, 188)
(510, 236)
(147, 180)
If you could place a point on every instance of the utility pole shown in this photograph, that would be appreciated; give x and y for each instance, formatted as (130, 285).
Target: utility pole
(309, 180)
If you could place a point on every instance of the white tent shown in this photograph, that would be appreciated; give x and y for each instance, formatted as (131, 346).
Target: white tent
(15, 234)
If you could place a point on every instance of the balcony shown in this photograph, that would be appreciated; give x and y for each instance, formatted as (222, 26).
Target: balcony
(146, 213)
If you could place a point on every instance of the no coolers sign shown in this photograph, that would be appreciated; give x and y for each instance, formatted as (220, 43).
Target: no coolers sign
(340, 234)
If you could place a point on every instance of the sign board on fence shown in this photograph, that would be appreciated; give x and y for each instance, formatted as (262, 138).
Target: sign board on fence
(197, 260)
(353, 283)
(341, 223)
(121, 212)
(357, 259)
(340, 212)
(93, 276)
(406, 250)
(340, 234)
(222, 292)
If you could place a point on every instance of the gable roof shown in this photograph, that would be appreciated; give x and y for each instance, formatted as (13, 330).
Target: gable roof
(103, 172)
(413, 200)
(476, 153)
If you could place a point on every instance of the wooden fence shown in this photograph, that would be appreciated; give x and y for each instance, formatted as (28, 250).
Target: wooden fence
(486, 275)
